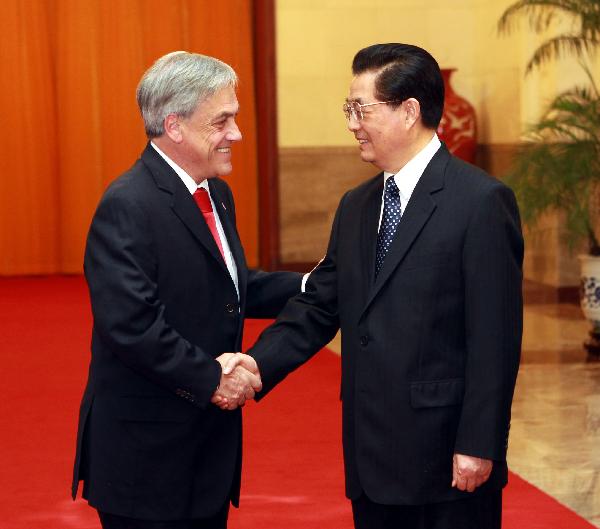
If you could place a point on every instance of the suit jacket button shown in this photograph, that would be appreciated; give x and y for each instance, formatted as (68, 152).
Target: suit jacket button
(364, 340)
(230, 307)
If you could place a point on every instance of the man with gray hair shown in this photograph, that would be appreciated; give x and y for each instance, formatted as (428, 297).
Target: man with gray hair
(169, 290)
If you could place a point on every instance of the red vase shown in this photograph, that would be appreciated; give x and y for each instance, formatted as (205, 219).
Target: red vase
(458, 127)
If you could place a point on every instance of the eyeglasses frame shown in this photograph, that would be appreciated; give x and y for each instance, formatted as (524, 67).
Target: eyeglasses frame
(358, 115)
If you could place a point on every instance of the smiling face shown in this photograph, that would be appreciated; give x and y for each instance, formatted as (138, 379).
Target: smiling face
(206, 137)
(383, 133)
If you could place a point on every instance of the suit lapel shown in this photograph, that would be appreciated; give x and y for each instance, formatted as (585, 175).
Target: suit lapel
(182, 202)
(369, 222)
(228, 223)
(418, 211)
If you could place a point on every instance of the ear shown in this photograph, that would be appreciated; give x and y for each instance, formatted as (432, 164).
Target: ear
(413, 111)
(172, 127)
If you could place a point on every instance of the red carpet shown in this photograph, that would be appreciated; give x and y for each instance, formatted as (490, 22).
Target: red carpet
(293, 475)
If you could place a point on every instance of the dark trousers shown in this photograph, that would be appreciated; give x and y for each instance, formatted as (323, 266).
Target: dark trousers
(483, 511)
(113, 521)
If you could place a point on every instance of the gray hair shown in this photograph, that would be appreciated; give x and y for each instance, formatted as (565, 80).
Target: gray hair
(176, 83)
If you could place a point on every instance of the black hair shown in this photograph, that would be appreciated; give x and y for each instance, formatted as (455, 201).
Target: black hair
(405, 71)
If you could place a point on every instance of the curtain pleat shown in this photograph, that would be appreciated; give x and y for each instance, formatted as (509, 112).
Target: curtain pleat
(70, 69)
(28, 197)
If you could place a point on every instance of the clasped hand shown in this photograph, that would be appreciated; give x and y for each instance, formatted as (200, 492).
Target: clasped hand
(240, 380)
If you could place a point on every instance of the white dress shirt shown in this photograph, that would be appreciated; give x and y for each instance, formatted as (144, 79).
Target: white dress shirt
(192, 187)
(407, 178)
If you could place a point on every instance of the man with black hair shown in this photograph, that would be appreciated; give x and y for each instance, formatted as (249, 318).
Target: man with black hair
(423, 276)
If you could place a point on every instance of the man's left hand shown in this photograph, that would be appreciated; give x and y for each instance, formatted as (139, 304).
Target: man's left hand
(469, 472)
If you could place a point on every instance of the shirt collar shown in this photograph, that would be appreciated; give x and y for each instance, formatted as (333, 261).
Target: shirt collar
(407, 178)
(185, 178)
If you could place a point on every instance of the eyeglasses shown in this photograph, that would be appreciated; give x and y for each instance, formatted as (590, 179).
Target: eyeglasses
(354, 108)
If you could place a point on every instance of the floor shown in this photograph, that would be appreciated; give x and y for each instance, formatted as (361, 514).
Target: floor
(555, 432)
(46, 326)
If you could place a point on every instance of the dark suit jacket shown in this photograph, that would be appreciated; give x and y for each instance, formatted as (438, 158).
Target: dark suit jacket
(430, 349)
(150, 445)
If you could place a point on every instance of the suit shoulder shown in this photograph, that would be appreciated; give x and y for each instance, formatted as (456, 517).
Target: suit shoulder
(132, 190)
(479, 193)
(472, 179)
(131, 183)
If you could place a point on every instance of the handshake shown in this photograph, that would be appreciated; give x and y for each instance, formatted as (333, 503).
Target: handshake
(240, 380)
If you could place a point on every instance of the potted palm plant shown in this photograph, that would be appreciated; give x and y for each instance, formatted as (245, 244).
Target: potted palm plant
(558, 166)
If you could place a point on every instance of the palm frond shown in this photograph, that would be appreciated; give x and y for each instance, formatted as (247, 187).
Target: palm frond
(573, 115)
(542, 13)
(590, 76)
(559, 165)
(560, 46)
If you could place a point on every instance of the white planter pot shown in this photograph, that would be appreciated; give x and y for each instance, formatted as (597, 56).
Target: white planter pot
(589, 293)
(590, 289)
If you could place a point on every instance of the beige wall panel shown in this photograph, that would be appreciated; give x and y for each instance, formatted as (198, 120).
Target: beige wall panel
(312, 183)
(317, 40)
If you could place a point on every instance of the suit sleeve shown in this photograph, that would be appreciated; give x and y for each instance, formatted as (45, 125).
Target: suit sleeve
(129, 317)
(308, 322)
(492, 268)
(268, 292)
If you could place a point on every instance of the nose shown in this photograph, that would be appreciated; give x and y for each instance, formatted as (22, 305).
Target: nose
(353, 123)
(233, 134)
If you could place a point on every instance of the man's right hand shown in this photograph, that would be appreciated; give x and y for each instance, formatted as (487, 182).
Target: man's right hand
(470, 472)
(240, 380)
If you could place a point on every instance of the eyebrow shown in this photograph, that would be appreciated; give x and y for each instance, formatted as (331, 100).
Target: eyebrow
(359, 100)
(225, 114)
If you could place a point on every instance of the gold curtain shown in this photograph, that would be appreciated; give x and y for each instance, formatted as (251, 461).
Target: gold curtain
(71, 123)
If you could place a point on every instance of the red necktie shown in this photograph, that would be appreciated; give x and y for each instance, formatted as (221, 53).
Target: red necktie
(203, 200)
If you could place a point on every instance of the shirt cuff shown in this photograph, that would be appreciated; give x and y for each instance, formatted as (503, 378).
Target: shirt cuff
(304, 280)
